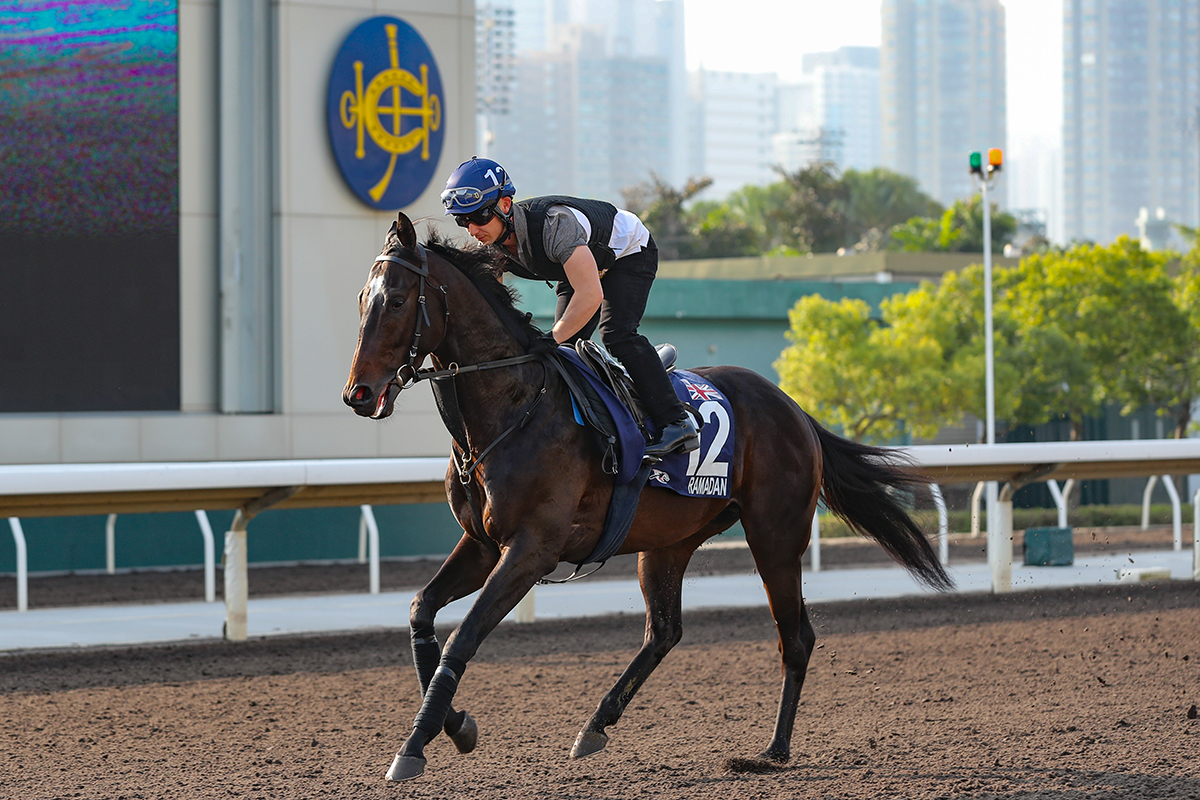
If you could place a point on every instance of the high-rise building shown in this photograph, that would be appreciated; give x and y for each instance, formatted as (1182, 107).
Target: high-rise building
(495, 67)
(1131, 114)
(583, 122)
(735, 115)
(846, 97)
(832, 112)
(942, 89)
(598, 98)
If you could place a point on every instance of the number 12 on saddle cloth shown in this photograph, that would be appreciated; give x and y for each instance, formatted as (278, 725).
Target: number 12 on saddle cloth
(704, 472)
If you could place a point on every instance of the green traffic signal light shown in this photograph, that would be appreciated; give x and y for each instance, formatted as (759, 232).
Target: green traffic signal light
(976, 163)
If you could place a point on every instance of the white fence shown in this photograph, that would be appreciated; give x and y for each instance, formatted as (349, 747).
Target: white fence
(250, 487)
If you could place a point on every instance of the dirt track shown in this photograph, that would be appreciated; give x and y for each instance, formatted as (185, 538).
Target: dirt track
(1069, 695)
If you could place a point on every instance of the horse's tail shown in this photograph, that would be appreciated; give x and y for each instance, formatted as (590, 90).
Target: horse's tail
(857, 482)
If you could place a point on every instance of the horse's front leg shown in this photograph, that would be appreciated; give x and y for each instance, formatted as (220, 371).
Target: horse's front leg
(661, 576)
(463, 572)
(514, 575)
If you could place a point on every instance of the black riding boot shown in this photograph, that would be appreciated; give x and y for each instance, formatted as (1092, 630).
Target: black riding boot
(679, 431)
(681, 435)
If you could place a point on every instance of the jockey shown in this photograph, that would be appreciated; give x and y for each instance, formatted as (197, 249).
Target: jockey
(604, 262)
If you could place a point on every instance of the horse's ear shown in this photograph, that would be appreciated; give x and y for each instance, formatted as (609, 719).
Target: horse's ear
(405, 231)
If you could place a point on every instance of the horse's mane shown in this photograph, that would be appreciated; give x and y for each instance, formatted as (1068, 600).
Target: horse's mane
(482, 266)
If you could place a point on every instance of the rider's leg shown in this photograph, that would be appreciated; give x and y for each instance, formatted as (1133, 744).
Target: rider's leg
(626, 288)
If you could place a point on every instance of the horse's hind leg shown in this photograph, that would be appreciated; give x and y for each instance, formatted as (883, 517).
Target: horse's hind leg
(778, 561)
(661, 576)
(464, 572)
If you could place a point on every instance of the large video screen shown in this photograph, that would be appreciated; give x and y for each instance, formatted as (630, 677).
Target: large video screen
(89, 205)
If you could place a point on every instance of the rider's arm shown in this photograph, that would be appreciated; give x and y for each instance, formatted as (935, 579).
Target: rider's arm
(584, 278)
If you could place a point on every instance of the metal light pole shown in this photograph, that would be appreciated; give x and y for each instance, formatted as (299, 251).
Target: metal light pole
(999, 552)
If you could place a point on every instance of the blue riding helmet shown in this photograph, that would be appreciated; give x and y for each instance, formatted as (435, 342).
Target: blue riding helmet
(476, 183)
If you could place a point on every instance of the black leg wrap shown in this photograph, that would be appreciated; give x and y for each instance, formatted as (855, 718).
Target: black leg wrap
(439, 696)
(427, 654)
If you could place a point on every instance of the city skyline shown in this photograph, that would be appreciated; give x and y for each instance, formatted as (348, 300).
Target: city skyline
(744, 43)
(994, 79)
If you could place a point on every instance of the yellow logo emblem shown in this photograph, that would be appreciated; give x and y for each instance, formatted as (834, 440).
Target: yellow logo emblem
(399, 112)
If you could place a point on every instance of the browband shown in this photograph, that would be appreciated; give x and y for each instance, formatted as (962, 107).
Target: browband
(422, 270)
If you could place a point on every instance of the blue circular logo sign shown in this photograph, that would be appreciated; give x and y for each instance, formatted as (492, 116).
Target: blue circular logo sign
(385, 113)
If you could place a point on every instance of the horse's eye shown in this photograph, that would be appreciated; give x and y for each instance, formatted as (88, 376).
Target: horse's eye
(395, 304)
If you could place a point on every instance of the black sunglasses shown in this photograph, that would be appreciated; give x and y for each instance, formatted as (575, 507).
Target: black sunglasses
(480, 216)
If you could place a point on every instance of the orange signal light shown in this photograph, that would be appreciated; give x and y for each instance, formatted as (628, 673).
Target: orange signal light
(995, 158)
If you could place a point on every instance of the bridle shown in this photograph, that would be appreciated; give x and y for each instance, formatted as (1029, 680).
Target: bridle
(408, 374)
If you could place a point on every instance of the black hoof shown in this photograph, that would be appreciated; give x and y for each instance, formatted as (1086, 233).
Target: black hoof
(587, 743)
(775, 756)
(467, 735)
(405, 768)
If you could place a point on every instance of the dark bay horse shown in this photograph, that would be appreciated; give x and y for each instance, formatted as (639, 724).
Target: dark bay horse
(526, 484)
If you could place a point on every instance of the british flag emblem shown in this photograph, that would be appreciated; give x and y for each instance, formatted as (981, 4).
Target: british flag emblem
(701, 391)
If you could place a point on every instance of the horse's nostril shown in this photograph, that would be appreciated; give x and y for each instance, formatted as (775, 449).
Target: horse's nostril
(358, 396)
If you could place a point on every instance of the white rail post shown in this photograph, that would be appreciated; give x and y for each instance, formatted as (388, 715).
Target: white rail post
(1146, 501)
(110, 544)
(1176, 513)
(975, 498)
(22, 564)
(524, 610)
(814, 543)
(943, 524)
(210, 567)
(362, 539)
(1000, 536)
(1060, 502)
(237, 579)
(236, 582)
(1196, 536)
(368, 520)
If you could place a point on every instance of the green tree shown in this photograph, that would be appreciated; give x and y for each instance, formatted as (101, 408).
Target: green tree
(761, 207)
(721, 232)
(1107, 327)
(848, 370)
(880, 199)
(813, 216)
(661, 207)
(958, 230)
(951, 314)
(1186, 295)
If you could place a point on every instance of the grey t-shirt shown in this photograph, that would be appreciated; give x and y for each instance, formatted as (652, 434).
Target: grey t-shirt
(561, 234)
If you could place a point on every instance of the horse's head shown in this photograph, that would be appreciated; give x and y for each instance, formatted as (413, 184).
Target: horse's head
(396, 331)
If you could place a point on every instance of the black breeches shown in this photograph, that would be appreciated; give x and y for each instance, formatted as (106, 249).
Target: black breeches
(626, 289)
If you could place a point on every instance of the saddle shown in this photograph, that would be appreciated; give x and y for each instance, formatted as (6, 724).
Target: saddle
(616, 377)
(604, 400)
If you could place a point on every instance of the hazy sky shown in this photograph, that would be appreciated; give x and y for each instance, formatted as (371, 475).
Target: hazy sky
(770, 35)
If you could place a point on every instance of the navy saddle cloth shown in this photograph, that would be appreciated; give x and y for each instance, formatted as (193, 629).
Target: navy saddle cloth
(622, 438)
